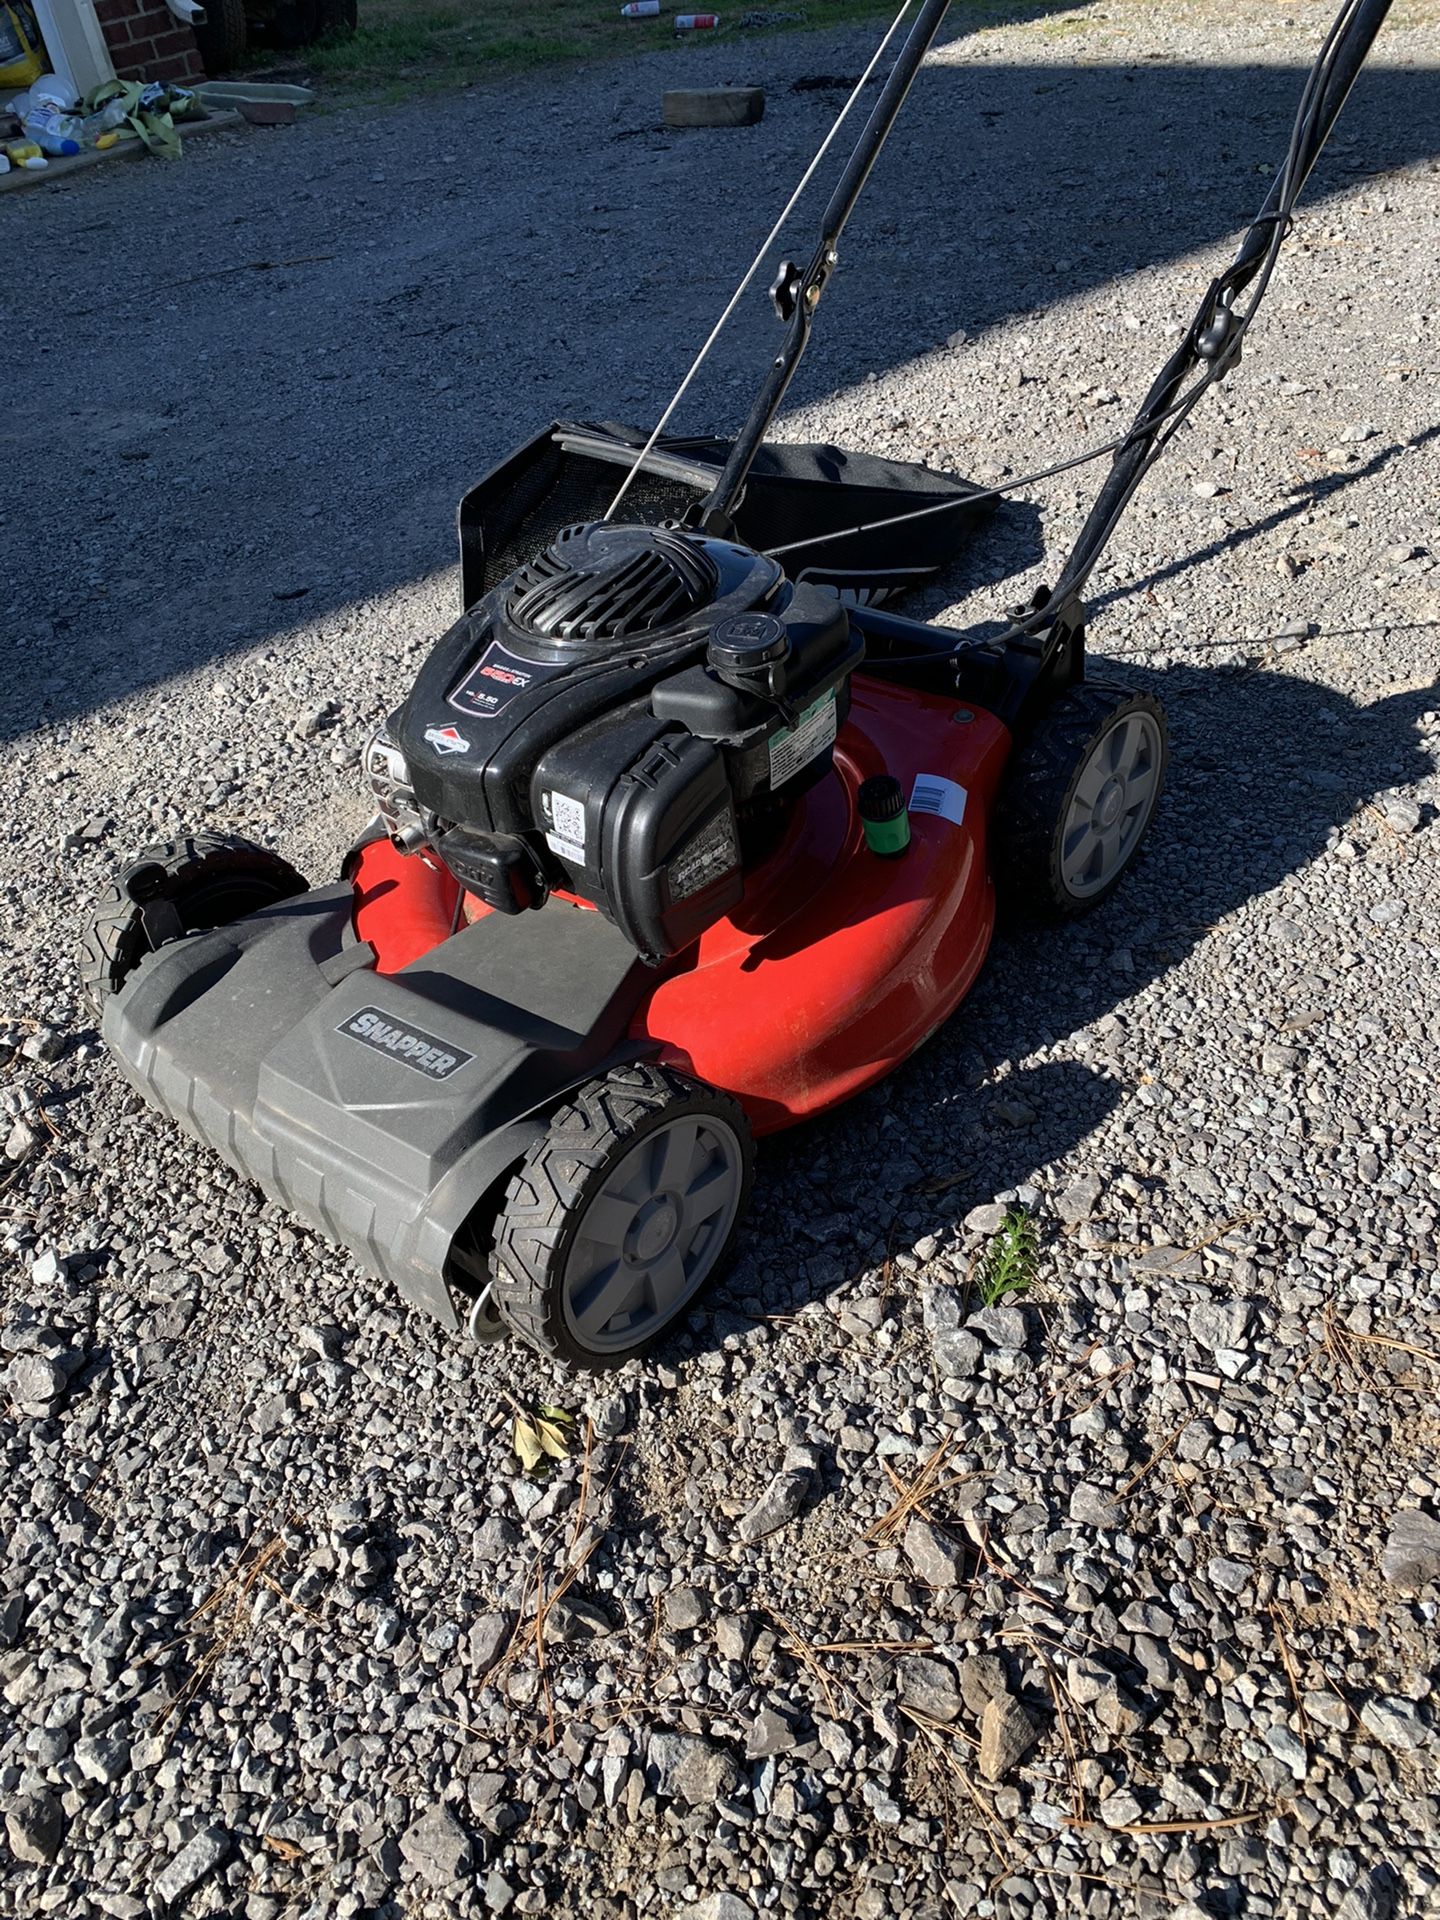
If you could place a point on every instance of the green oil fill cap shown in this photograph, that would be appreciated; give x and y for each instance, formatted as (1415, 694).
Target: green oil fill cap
(881, 801)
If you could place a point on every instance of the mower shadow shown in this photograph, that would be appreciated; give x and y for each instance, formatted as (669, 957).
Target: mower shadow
(246, 507)
(1264, 768)
(1299, 500)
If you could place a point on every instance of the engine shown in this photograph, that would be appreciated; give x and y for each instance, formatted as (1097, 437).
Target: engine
(627, 718)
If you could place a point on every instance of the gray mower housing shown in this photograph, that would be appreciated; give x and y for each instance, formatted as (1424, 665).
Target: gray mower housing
(383, 1109)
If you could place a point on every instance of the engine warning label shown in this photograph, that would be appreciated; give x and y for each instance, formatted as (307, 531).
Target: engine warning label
(707, 855)
(797, 746)
(495, 679)
(436, 1059)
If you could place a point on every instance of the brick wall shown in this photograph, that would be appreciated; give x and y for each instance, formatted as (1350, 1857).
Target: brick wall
(147, 42)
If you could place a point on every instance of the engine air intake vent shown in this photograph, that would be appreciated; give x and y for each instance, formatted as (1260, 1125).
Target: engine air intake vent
(598, 582)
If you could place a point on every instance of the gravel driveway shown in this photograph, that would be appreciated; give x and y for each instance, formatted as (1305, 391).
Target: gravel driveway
(1157, 1637)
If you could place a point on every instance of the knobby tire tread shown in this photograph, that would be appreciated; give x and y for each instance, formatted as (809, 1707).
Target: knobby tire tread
(1032, 803)
(112, 943)
(553, 1183)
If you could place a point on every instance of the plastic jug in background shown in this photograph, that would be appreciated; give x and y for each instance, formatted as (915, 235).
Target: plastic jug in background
(22, 53)
(56, 133)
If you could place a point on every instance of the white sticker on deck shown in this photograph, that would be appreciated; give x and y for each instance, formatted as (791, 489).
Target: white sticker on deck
(810, 735)
(569, 818)
(934, 794)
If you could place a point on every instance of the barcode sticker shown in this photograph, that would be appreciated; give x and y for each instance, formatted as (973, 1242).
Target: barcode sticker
(566, 849)
(934, 794)
(569, 818)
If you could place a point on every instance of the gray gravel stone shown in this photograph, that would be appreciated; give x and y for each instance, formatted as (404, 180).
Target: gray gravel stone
(439, 1849)
(1216, 1324)
(495, 1538)
(35, 1826)
(1288, 1749)
(936, 1559)
(1006, 1734)
(1230, 1576)
(929, 1686)
(1374, 1896)
(1092, 1506)
(1401, 812)
(105, 1759)
(12, 1620)
(610, 1416)
(1411, 1558)
(691, 1769)
(685, 1609)
(1080, 1199)
(1324, 1708)
(1000, 1326)
(1120, 1809)
(957, 1353)
(777, 1506)
(200, 1855)
(487, 1639)
(719, 1906)
(982, 1679)
(499, 1894)
(769, 1732)
(733, 1635)
(1395, 1723)
(33, 1380)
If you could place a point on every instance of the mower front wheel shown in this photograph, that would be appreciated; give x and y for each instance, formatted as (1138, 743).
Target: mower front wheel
(206, 880)
(621, 1215)
(1078, 800)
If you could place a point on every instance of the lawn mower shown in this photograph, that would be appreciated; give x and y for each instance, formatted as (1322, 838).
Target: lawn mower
(683, 836)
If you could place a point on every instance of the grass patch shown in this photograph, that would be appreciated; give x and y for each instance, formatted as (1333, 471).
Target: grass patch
(408, 47)
(405, 47)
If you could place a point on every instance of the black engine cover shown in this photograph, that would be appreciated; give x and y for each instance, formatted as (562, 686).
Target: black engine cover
(540, 657)
(607, 719)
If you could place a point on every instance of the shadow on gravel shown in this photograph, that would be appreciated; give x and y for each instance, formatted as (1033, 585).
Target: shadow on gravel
(290, 443)
(1264, 768)
(1299, 499)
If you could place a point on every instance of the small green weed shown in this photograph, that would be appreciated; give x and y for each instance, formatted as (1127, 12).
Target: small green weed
(1010, 1260)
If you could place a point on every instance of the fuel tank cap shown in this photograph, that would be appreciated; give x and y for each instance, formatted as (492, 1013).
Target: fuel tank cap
(747, 640)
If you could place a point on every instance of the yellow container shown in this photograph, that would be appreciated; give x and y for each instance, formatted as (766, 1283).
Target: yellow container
(22, 53)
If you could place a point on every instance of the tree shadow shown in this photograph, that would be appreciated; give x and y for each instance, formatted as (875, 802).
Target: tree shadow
(288, 443)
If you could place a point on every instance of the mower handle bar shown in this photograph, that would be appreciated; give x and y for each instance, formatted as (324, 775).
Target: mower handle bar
(796, 293)
(1212, 341)
(1214, 335)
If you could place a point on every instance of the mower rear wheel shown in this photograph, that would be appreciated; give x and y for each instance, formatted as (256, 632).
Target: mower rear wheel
(1078, 799)
(206, 880)
(620, 1215)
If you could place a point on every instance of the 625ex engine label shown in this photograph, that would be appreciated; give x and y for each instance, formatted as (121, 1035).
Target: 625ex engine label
(495, 679)
(436, 1059)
